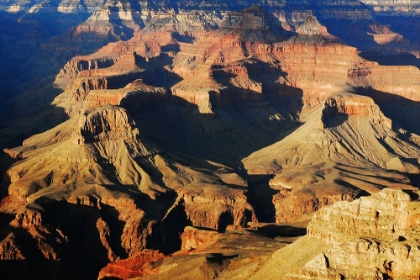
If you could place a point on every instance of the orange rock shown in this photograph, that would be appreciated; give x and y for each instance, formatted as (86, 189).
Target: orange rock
(193, 238)
(140, 264)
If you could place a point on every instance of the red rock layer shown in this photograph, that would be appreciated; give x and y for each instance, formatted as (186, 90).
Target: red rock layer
(140, 264)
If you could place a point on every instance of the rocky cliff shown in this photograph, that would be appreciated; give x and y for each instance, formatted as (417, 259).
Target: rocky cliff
(369, 238)
(387, 247)
(390, 8)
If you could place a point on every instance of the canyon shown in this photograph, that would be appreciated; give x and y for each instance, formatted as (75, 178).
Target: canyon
(210, 140)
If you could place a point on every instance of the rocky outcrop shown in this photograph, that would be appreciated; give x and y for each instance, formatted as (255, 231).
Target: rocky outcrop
(394, 8)
(386, 216)
(140, 264)
(193, 238)
(9, 250)
(217, 207)
(311, 26)
(298, 205)
(76, 65)
(372, 238)
(351, 105)
(105, 125)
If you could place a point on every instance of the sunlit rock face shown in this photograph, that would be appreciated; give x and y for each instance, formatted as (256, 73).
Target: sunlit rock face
(394, 7)
(369, 238)
(386, 221)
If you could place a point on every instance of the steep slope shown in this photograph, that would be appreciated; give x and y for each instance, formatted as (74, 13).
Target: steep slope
(130, 197)
(345, 149)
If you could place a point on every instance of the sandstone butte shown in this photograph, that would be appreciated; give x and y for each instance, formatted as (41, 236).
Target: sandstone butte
(202, 147)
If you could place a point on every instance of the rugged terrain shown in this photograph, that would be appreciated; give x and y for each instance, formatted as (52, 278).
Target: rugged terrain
(169, 138)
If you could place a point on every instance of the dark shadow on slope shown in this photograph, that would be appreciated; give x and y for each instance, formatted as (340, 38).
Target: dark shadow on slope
(123, 31)
(25, 121)
(5, 163)
(161, 77)
(391, 179)
(334, 120)
(401, 59)
(274, 87)
(170, 48)
(35, 266)
(225, 219)
(403, 112)
(5, 219)
(412, 160)
(352, 32)
(82, 253)
(140, 100)
(348, 21)
(260, 196)
(183, 38)
(273, 230)
(49, 43)
(154, 208)
(22, 269)
(414, 180)
(166, 234)
(156, 74)
(116, 228)
(347, 185)
(358, 30)
(242, 122)
(414, 196)
(218, 257)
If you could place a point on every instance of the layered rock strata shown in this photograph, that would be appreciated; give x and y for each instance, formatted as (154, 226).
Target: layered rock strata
(372, 237)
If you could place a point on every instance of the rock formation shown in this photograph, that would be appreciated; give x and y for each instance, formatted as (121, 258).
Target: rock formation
(142, 263)
(370, 238)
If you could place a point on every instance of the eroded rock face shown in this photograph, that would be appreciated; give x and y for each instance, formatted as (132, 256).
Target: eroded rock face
(75, 66)
(372, 237)
(311, 26)
(193, 238)
(292, 206)
(9, 250)
(351, 105)
(217, 208)
(384, 216)
(106, 125)
(140, 264)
